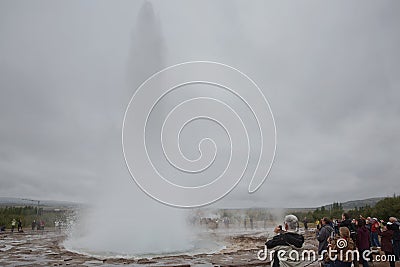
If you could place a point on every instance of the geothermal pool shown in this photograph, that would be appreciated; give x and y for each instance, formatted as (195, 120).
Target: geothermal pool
(199, 243)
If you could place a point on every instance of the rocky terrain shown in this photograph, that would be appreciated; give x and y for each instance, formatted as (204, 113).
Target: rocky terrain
(44, 248)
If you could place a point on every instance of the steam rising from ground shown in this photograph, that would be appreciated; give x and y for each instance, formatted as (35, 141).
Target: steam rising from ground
(117, 228)
(123, 220)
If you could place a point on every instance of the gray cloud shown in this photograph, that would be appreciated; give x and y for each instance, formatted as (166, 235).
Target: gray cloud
(329, 70)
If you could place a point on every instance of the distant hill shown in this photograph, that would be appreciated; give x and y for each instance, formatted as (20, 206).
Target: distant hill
(13, 201)
(348, 205)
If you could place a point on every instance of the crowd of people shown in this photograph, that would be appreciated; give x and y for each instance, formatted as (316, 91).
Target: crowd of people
(364, 234)
(38, 225)
(17, 223)
(359, 235)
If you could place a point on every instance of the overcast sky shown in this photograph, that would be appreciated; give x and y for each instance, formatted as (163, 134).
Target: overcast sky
(330, 71)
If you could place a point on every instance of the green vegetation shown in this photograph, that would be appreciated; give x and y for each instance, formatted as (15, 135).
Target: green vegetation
(385, 208)
(28, 213)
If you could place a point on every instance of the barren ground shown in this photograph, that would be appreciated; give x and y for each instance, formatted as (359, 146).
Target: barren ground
(44, 248)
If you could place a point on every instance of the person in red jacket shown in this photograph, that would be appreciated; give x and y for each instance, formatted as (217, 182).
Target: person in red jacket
(375, 228)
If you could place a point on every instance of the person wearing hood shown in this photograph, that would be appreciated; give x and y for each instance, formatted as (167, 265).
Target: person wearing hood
(395, 227)
(386, 240)
(363, 240)
(286, 240)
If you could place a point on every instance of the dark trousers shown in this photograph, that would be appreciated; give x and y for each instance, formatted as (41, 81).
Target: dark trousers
(375, 239)
(396, 249)
(341, 264)
(364, 261)
(392, 263)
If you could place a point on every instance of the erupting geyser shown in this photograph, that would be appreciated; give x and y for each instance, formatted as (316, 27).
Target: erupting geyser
(123, 220)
